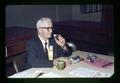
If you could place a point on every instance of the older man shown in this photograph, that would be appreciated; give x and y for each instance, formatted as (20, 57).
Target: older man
(38, 47)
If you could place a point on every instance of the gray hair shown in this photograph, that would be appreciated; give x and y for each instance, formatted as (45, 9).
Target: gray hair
(44, 22)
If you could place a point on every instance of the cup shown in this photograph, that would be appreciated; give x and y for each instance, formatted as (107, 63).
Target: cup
(60, 65)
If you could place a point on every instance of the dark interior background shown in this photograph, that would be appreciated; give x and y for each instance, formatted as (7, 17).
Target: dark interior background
(91, 31)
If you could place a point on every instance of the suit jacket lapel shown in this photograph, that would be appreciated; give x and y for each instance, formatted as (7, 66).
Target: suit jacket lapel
(40, 47)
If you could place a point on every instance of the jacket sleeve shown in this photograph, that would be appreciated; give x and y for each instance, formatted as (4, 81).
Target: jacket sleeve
(62, 52)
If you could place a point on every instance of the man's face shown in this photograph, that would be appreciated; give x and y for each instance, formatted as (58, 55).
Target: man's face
(45, 32)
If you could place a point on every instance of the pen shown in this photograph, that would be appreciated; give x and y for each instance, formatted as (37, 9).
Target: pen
(107, 64)
(39, 75)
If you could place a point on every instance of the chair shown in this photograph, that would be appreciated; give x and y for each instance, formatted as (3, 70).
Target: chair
(6, 55)
(19, 63)
(15, 66)
(72, 46)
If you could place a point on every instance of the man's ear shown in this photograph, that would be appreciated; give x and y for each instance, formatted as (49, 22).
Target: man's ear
(39, 29)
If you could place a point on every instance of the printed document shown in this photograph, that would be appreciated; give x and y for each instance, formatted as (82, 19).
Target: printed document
(86, 72)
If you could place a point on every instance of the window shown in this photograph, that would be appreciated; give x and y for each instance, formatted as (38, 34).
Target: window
(90, 8)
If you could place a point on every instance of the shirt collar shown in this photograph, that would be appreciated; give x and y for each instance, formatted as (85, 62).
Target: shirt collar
(43, 42)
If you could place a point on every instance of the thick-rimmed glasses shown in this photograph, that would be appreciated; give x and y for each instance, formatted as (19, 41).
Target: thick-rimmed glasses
(48, 28)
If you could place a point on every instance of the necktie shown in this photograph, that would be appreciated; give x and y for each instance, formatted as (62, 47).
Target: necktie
(46, 51)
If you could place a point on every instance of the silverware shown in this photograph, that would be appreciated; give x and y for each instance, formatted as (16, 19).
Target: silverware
(39, 75)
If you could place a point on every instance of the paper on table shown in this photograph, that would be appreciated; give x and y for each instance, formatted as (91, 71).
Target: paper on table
(86, 72)
(25, 74)
(102, 63)
(51, 75)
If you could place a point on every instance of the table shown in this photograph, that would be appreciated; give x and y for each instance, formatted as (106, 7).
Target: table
(55, 73)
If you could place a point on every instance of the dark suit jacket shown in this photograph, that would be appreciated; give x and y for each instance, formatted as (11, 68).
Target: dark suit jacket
(35, 53)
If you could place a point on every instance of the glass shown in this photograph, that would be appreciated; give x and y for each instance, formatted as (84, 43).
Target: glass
(60, 65)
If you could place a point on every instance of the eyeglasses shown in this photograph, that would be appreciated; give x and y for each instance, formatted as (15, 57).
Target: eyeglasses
(48, 28)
